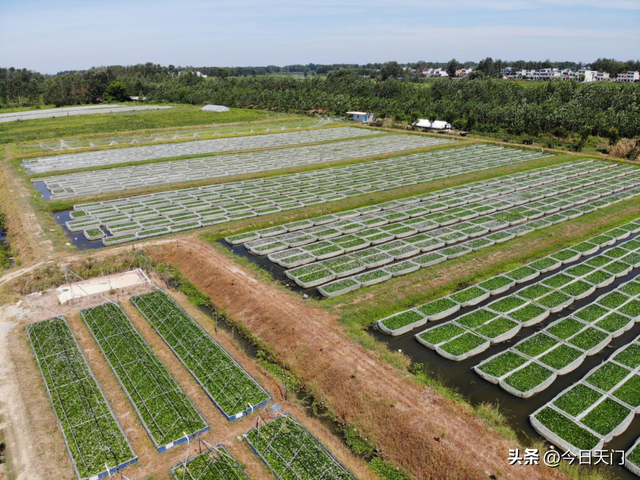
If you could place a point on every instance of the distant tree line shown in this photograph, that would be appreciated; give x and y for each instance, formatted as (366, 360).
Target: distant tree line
(492, 68)
(483, 104)
(20, 87)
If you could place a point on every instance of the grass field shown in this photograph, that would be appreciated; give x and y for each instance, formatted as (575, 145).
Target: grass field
(182, 115)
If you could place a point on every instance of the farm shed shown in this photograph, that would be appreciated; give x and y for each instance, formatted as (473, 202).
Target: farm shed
(361, 116)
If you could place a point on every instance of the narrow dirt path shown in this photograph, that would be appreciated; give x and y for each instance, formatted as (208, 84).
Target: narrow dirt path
(416, 427)
(35, 443)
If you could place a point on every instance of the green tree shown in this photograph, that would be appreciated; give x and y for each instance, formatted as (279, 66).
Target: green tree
(452, 66)
(390, 70)
(116, 92)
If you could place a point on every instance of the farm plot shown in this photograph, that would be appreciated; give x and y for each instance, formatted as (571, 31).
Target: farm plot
(533, 364)
(150, 215)
(420, 237)
(123, 178)
(502, 319)
(68, 111)
(164, 409)
(226, 383)
(632, 458)
(601, 406)
(214, 464)
(99, 158)
(292, 453)
(95, 440)
(591, 272)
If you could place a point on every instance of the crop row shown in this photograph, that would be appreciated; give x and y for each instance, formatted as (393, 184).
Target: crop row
(435, 246)
(100, 158)
(292, 453)
(502, 319)
(95, 440)
(163, 408)
(443, 307)
(226, 383)
(601, 406)
(632, 458)
(214, 464)
(285, 238)
(236, 200)
(191, 169)
(533, 364)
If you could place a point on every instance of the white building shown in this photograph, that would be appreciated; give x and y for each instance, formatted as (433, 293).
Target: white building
(434, 72)
(464, 72)
(602, 77)
(435, 125)
(364, 117)
(546, 74)
(197, 72)
(628, 77)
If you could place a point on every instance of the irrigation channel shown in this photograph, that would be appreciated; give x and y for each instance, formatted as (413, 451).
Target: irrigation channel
(5, 250)
(250, 350)
(461, 376)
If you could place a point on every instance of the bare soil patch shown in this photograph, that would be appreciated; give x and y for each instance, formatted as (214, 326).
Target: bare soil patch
(415, 427)
(32, 435)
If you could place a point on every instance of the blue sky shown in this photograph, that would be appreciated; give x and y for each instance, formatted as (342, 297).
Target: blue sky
(50, 36)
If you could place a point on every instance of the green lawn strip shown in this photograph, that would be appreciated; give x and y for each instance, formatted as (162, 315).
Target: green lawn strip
(630, 356)
(60, 127)
(291, 452)
(558, 280)
(588, 338)
(553, 300)
(438, 307)
(527, 313)
(632, 288)
(577, 288)
(528, 377)
(613, 300)
(536, 345)
(497, 327)
(468, 294)
(629, 392)
(607, 376)
(591, 313)
(92, 433)
(631, 309)
(233, 390)
(496, 283)
(560, 357)
(502, 364)
(577, 399)
(478, 317)
(441, 333)
(634, 455)
(605, 417)
(402, 319)
(163, 407)
(521, 273)
(507, 304)
(533, 292)
(565, 328)
(613, 322)
(463, 344)
(566, 429)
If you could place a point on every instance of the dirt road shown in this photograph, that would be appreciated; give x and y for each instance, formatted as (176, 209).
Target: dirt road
(417, 428)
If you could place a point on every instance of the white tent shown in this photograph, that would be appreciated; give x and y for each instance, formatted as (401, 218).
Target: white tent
(215, 108)
(435, 125)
